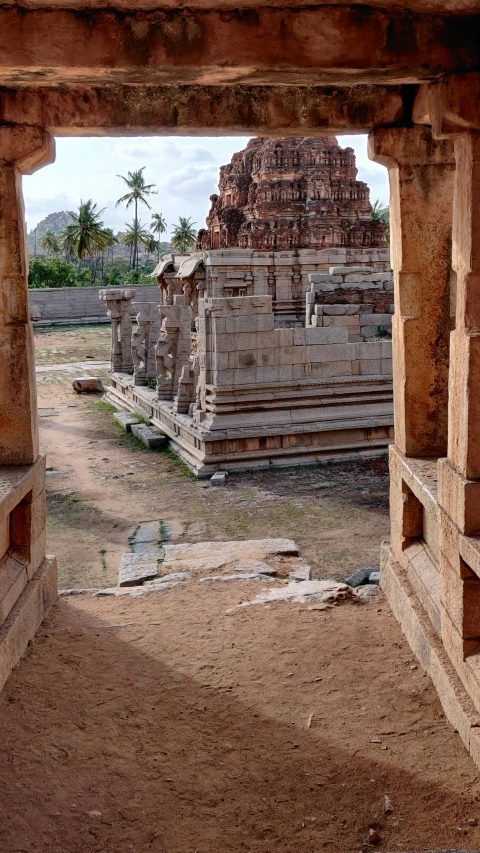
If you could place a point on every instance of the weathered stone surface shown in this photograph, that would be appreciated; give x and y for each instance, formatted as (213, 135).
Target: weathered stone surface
(88, 385)
(282, 193)
(211, 556)
(151, 437)
(125, 419)
(218, 479)
(136, 568)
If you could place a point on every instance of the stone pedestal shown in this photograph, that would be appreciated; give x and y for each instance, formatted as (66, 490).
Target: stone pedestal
(118, 301)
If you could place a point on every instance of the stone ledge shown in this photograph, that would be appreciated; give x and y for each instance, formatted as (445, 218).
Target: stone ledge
(457, 704)
(26, 616)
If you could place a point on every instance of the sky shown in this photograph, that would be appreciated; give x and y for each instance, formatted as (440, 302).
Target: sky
(185, 170)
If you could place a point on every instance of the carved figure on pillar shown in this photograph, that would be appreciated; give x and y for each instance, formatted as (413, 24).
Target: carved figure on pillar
(118, 301)
(174, 346)
(144, 339)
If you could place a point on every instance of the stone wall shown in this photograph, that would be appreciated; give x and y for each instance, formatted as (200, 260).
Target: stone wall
(76, 304)
(358, 298)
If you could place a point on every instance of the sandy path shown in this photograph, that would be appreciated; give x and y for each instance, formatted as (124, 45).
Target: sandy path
(164, 724)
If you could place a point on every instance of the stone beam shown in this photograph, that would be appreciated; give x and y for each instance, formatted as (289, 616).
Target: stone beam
(451, 106)
(256, 110)
(312, 45)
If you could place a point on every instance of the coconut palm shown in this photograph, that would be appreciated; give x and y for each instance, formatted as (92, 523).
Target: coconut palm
(159, 227)
(87, 234)
(134, 234)
(184, 234)
(138, 191)
(49, 242)
(380, 212)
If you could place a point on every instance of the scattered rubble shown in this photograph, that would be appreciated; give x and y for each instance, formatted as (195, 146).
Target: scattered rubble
(370, 574)
(325, 592)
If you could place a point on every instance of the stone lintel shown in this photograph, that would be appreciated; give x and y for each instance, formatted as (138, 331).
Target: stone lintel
(147, 109)
(302, 46)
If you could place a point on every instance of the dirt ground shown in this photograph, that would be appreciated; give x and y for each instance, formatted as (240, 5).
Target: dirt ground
(167, 724)
(338, 514)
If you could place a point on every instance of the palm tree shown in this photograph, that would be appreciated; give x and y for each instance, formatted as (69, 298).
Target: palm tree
(379, 212)
(159, 227)
(50, 242)
(134, 234)
(87, 234)
(138, 192)
(184, 234)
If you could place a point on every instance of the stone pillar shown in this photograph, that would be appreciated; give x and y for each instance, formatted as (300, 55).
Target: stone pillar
(144, 339)
(421, 174)
(23, 150)
(118, 302)
(459, 476)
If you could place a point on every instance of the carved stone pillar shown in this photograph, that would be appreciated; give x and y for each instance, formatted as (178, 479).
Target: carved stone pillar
(118, 301)
(421, 173)
(23, 150)
(174, 346)
(144, 339)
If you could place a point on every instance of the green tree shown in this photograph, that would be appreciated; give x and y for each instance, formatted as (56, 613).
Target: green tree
(381, 213)
(49, 242)
(86, 236)
(51, 272)
(138, 192)
(159, 226)
(184, 234)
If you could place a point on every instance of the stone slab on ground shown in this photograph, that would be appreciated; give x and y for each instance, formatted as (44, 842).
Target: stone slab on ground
(218, 479)
(211, 556)
(151, 437)
(322, 593)
(360, 576)
(126, 420)
(136, 568)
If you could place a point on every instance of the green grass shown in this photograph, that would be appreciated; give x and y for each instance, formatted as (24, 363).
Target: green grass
(103, 406)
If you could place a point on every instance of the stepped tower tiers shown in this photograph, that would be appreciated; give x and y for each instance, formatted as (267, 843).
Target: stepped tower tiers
(291, 193)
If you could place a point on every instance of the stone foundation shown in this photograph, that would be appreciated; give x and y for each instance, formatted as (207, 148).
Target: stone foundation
(28, 579)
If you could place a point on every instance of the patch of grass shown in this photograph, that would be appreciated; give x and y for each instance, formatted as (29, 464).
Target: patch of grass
(178, 463)
(102, 553)
(103, 406)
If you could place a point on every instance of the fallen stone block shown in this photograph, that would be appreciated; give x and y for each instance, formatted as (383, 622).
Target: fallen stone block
(360, 577)
(173, 576)
(125, 419)
(88, 385)
(151, 438)
(248, 576)
(374, 577)
(218, 479)
(255, 567)
(300, 573)
(137, 568)
(322, 594)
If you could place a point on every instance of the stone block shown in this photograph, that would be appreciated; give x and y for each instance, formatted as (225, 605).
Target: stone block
(387, 367)
(332, 352)
(350, 270)
(460, 498)
(13, 580)
(125, 419)
(26, 615)
(218, 479)
(328, 369)
(151, 438)
(136, 568)
(88, 385)
(322, 281)
(301, 337)
(370, 367)
(249, 323)
(335, 310)
(376, 320)
(368, 350)
(370, 331)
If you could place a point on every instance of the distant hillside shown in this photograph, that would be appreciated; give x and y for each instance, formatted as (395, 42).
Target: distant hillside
(54, 221)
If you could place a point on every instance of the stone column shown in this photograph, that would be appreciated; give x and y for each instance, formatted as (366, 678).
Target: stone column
(144, 340)
(459, 476)
(421, 173)
(23, 150)
(118, 301)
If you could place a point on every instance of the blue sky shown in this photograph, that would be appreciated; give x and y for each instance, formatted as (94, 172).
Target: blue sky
(185, 170)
